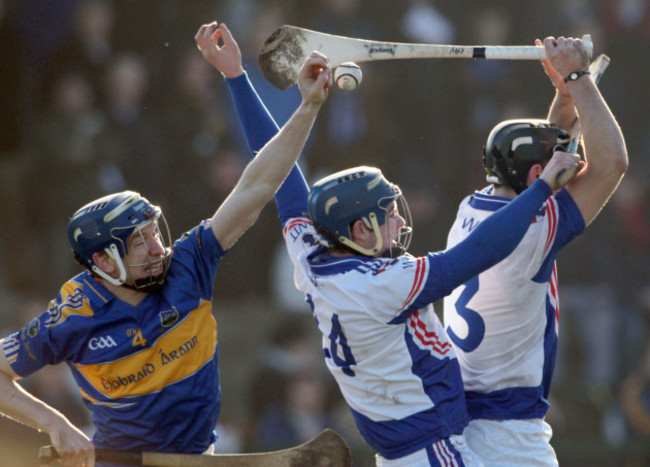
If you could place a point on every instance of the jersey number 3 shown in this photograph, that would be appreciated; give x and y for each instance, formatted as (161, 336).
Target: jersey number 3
(475, 324)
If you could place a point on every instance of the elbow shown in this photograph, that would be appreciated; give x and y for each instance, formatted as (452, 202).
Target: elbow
(616, 165)
(616, 170)
(257, 193)
(622, 164)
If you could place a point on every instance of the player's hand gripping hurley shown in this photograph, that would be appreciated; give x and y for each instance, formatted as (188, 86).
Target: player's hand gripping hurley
(596, 69)
(286, 48)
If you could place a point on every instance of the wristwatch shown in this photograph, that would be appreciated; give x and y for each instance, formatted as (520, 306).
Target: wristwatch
(576, 74)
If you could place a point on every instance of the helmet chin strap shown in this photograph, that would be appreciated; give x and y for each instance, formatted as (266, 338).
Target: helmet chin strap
(379, 243)
(144, 285)
(114, 254)
(399, 249)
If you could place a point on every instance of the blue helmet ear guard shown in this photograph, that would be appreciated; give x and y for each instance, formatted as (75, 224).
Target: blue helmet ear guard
(514, 146)
(336, 201)
(104, 225)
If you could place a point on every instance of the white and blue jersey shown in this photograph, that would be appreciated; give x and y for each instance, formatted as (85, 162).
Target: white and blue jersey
(148, 373)
(382, 341)
(504, 322)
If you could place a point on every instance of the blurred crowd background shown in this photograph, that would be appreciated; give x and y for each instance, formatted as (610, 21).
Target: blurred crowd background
(98, 96)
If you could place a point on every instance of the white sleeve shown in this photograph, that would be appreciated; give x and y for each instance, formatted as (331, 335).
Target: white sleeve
(299, 236)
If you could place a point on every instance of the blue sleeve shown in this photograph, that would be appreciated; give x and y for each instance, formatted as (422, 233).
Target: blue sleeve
(497, 236)
(257, 122)
(259, 127)
(34, 347)
(193, 267)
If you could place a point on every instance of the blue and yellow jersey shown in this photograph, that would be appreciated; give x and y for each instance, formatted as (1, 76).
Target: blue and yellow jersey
(149, 373)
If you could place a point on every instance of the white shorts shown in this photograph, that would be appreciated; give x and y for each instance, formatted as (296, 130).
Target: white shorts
(450, 452)
(510, 443)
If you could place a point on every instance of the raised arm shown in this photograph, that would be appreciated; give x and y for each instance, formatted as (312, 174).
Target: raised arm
(604, 145)
(269, 168)
(257, 122)
(73, 445)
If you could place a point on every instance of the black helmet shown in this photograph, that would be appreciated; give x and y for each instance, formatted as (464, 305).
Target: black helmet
(513, 146)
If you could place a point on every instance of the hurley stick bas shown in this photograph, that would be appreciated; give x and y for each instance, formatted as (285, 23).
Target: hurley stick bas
(285, 50)
(327, 449)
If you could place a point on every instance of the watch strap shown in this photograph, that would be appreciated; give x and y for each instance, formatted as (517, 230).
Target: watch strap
(575, 75)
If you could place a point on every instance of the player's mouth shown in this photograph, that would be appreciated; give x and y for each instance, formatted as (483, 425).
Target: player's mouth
(155, 269)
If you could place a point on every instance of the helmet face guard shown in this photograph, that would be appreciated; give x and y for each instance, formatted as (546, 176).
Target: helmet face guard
(104, 225)
(514, 146)
(151, 283)
(336, 201)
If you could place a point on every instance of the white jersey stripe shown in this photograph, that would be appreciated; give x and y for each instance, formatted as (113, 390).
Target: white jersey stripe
(439, 457)
(454, 462)
(444, 456)
(554, 297)
(552, 225)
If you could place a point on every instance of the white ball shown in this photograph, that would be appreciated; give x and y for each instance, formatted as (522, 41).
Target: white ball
(347, 76)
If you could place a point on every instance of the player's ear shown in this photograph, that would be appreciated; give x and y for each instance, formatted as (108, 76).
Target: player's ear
(359, 231)
(534, 173)
(104, 262)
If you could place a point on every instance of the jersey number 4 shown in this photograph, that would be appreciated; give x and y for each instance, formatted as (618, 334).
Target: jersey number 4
(338, 341)
(339, 350)
(475, 324)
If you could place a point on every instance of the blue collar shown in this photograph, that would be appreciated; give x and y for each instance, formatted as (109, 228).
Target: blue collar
(485, 200)
(322, 263)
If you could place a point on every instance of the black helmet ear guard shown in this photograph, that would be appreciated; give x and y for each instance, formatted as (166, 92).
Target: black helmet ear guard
(514, 146)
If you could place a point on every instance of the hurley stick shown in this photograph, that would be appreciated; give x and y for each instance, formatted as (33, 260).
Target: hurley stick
(327, 449)
(285, 50)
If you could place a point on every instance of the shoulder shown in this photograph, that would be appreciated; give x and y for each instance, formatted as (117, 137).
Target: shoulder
(200, 240)
(74, 300)
(401, 270)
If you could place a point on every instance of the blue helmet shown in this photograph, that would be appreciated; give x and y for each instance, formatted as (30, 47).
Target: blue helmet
(514, 146)
(105, 225)
(338, 200)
